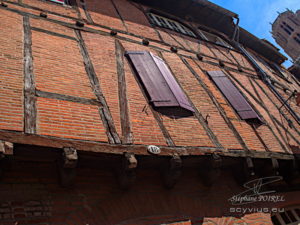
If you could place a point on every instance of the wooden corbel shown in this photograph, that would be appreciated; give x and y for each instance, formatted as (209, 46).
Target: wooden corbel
(211, 170)
(6, 152)
(67, 167)
(6, 149)
(275, 166)
(126, 173)
(172, 171)
(244, 171)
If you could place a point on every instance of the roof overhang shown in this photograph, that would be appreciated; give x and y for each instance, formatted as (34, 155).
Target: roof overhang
(213, 16)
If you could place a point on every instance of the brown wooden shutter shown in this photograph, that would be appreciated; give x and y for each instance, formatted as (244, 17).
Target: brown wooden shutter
(171, 81)
(158, 81)
(233, 95)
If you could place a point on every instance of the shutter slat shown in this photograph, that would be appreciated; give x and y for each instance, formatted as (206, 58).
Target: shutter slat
(233, 95)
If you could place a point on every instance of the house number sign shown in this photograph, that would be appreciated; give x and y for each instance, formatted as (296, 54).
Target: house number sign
(153, 149)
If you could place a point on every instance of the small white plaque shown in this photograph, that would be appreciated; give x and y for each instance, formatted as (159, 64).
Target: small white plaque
(153, 149)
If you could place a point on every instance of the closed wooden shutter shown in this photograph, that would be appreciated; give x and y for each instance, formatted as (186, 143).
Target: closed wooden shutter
(158, 81)
(172, 83)
(233, 95)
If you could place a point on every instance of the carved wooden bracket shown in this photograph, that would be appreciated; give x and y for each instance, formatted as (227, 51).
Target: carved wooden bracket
(6, 149)
(70, 158)
(211, 170)
(172, 171)
(67, 167)
(126, 173)
(250, 167)
(245, 172)
(275, 166)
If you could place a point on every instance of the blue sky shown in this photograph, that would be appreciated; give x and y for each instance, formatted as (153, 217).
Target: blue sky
(256, 15)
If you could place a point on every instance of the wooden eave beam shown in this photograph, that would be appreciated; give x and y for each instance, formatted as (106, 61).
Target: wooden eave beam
(100, 147)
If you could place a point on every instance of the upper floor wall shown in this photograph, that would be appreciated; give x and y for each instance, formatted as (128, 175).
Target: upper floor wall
(80, 86)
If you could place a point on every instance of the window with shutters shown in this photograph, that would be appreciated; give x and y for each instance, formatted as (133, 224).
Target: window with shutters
(165, 22)
(160, 86)
(234, 96)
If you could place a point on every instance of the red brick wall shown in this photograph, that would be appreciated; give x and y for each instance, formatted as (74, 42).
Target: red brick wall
(11, 70)
(69, 120)
(58, 67)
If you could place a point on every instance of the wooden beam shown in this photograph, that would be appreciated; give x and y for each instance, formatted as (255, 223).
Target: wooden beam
(85, 101)
(86, 12)
(119, 15)
(123, 101)
(104, 111)
(100, 147)
(30, 111)
(53, 33)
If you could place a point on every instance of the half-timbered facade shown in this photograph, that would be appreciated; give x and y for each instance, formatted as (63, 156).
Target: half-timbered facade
(142, 112)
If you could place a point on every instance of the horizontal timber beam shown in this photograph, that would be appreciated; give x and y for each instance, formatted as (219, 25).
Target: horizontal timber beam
(101, 147)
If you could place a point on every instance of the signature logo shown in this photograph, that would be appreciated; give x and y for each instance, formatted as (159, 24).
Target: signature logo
(255, 192)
